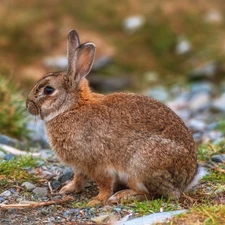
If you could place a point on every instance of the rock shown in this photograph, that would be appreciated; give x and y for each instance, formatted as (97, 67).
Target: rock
(196, 125)
(219, 103)
(2, 199)
(11, 142)
(48, 175)
(218, 158)
(133, 23)
(55, 184)
(183, 46)
(8, 157)
(29, 186)
(67, 175)
(199, 102)
(40, 192)
(207, 71)
(71, 212)
(151, 219)
(101, 62)
(46, 153)
(37, 132)
(159, 93)
(109, 84)
(5, 194)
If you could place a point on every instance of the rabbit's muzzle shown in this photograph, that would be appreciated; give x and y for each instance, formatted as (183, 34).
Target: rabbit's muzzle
(32, 107)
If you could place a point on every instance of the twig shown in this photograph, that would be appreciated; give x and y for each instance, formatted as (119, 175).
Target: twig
(15, 151)
(37, 204)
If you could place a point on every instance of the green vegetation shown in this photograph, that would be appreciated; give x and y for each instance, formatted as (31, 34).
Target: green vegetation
(156, 205)
(204, 214)
(12, 110)
(15, 171)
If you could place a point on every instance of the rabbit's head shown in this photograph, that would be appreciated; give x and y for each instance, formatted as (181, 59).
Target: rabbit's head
(56, 92)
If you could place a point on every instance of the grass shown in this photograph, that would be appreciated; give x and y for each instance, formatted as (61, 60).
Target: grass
(154, 206)
(12, 110)
(204, 214)
(15, 171)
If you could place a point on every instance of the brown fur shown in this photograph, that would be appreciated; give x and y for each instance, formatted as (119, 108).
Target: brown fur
(120, 138)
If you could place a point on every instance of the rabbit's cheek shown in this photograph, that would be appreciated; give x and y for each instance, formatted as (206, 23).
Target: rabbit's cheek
(32, 108)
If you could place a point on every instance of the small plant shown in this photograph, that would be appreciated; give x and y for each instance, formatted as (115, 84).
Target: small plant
(12, 110)
(14, 170)
(153, 206)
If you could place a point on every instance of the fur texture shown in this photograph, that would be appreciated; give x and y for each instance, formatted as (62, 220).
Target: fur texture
(117, 139)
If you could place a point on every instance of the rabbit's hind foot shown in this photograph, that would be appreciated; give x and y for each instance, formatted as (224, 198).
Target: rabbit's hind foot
(128, 195)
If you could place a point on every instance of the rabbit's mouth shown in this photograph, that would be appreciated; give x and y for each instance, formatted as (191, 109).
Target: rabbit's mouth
(32, 107)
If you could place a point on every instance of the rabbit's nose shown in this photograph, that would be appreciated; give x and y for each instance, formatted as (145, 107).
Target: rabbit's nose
(32, 107)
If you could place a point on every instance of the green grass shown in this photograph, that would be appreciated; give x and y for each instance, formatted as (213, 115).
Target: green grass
(156, 205)
(201, 215)
(15, 170)
(12, 110)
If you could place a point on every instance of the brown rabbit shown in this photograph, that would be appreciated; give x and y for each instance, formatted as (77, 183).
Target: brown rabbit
(116, 139)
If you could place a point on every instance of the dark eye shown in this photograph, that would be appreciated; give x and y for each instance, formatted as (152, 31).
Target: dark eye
(48, 90)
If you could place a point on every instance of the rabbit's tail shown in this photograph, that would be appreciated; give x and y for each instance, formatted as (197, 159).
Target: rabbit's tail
(200, 173)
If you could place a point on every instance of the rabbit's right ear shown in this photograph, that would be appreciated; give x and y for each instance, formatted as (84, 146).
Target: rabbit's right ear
(80, 60)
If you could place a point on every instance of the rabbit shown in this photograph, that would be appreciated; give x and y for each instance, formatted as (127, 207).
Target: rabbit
(121, 140)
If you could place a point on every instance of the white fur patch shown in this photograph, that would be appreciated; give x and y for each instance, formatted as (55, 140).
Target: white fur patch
(122, 176)
(141, 187)
(201, 172)
(51, 116)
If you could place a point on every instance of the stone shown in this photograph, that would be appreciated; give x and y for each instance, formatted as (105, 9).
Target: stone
(218, 158)
(10, 141)
(151, 219)
(40, 192)
(29, 186)
(200, 101)
(55, 184)
(5, 194)
(2, 199)
(183, 46)
(196, 125)
(132, 23)
(219, 103)
(158, 92)
(67, 175)
(8, 157)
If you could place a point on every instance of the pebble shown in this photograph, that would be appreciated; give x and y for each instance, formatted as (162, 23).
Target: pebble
(219, 103)
(40, 191)
(67, 175)
(2, 155)
(8, 157)
(10, 141)
(29, 186)
(55, 184)
(5, 194)
(2, 199)
(218, 158)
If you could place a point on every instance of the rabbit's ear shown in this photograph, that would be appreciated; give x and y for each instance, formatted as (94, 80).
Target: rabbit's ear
(84, 58)
(72, 44)
(80, 65)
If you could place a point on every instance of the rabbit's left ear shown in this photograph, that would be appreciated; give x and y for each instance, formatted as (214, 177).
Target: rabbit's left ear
(80, 60)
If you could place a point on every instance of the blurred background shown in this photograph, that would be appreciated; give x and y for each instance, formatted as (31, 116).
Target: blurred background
(173, 51)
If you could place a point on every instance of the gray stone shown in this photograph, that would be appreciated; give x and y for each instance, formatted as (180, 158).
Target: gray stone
(218, 158)
(159, 93)
(55, 184)
(151, 219)
(29, 186)
(219, 103)
(5, 194)
(200, 101)
(196, 125)
(8, 156)
(67, 175)
(183, 46)
(11, 141)
(40, 192)
(2, 199)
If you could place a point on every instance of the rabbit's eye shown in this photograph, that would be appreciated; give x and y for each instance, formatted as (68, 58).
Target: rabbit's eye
(48, 90)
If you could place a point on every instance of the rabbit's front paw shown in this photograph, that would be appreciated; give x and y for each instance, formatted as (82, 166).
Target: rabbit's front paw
(70, 188)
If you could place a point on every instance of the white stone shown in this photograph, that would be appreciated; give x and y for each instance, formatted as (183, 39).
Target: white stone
(5, 194)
